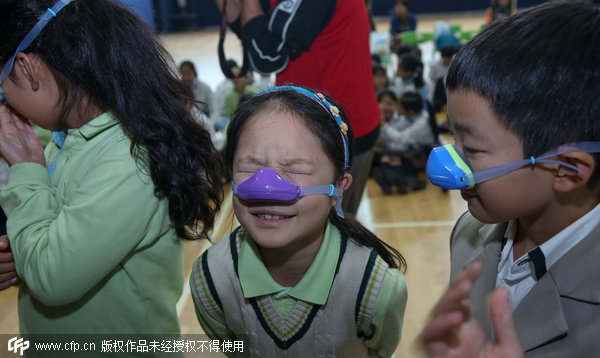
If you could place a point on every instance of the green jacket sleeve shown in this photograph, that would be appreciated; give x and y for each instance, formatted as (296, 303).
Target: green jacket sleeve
(388, 316)
(66, 240)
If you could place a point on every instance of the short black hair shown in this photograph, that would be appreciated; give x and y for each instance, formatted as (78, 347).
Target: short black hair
(189, 64)
(386, 92)
(378, 68)
(540, 72)
(376, 58)
(406, 50)
(411, 101)
(448, 51)
(410, 63)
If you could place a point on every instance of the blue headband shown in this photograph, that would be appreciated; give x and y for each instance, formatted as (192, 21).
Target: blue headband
(333, 111)
(31, 35)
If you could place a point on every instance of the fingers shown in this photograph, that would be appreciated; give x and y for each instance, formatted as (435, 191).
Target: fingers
(441, 327)
(18, 141)
(7, 270)
(8, 273)
(452, 310)
(4, 243)
(7, 280)
(5, 116)
(456, 296)
(503, 321)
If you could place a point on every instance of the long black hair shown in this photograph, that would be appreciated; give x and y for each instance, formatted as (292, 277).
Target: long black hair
(320, 123)
(100, 50)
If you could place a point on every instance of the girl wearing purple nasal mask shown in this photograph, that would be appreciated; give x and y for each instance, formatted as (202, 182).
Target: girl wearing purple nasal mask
(298, 278)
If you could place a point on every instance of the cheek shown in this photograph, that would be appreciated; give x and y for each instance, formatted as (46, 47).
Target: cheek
(241, 177)
(315, 205)
(239, 209)
(515, 195)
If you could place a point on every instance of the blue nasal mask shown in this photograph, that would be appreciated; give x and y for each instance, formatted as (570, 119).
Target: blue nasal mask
(267, 185)
(448, 168)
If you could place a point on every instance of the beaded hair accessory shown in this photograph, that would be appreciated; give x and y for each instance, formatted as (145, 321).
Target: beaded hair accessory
(332, 110)
(44, 19)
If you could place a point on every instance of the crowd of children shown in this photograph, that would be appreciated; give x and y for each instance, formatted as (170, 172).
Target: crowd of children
(408, 125)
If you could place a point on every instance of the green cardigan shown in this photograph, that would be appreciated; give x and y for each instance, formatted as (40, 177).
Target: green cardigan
(93, 245)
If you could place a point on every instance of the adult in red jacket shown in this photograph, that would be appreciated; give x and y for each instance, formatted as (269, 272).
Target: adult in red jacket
(321, 44)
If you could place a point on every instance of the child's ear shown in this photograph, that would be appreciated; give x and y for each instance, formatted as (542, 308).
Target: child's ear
(566, 178)
(343, 183)
(28, 67)
(346, 181)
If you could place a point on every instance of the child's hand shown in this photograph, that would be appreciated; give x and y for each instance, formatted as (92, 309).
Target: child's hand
(18, 141)
(454, 332)
(8, 273)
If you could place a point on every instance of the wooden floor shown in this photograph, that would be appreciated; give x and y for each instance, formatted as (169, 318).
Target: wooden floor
(417, 224)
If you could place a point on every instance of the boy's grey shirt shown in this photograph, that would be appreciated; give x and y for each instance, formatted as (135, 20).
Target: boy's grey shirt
(560, 317)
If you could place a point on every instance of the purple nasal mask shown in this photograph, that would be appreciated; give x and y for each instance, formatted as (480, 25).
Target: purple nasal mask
(267, 185)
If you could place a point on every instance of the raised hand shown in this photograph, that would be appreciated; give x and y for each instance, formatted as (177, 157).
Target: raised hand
(454, 332)
(18, 141)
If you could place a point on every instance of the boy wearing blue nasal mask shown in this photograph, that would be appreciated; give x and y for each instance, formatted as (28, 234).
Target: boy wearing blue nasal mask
(524, 109)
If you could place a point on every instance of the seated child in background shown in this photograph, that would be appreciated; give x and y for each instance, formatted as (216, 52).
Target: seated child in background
(534, 225)
(380, 78)
(401, 20)
(218, 138)
(240, 87)
(201, 92)
(383, 173)
(291, 279)
(407, 49)
(437, 74)
(217, 113)
(376, 60)
(439, 69)
(409, 77)
(404, 137)
(443, 35)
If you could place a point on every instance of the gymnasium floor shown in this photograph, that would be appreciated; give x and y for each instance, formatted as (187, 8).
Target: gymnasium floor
(417, 224)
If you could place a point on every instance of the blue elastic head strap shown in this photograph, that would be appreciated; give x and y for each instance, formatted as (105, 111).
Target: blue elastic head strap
(448, 168)
(333, 111)
(31, 35)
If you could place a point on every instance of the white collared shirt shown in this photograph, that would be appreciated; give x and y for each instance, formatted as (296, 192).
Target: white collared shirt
(519, 276)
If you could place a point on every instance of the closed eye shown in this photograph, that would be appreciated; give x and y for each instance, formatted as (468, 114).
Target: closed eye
(296, 173)
(469, 150)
